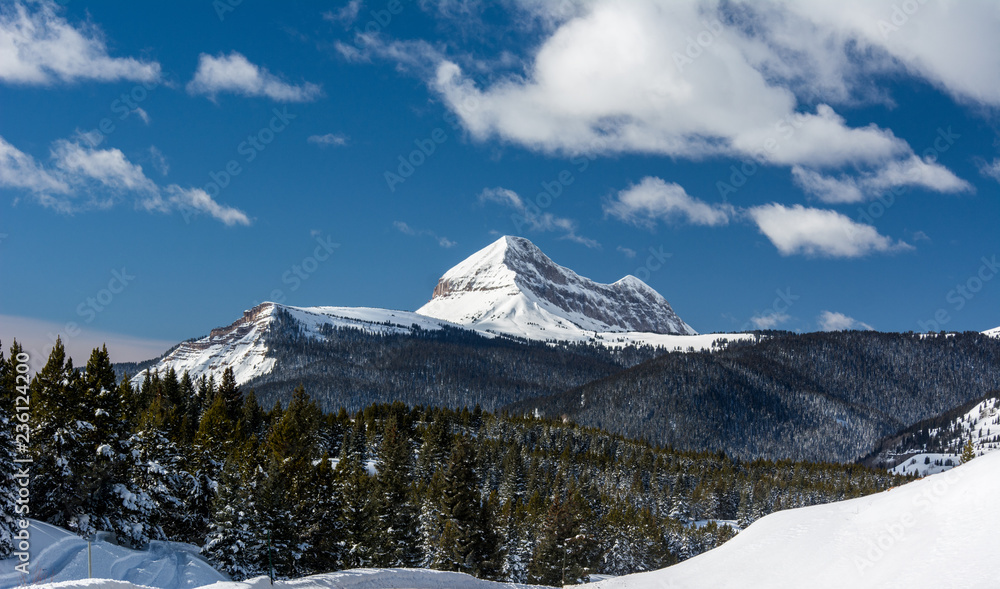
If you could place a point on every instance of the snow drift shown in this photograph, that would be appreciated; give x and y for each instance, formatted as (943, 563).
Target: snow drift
(940, 531)
(352, 579)
(59, 555)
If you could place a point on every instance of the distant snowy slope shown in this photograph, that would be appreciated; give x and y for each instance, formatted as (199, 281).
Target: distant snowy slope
(932, 533)
(351, 579)
(243, 346)
(511, 287)
(59, 555)
(995, 332)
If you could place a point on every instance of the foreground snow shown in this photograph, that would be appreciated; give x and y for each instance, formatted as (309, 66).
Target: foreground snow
(352, 579)
(59, 555)
(936, 532)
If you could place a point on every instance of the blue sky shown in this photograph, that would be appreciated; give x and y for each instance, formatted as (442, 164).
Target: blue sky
(801, 166)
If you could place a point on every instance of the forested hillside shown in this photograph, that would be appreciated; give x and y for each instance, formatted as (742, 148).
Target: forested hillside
(816, 396)
(392, 485)
(353, 368)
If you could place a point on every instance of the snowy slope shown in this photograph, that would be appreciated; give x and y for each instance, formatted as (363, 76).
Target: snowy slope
(242, 344)
(932, 533)
(59, 555)
(995, 332)
(352, 579)
(512, 287)
(981, 424)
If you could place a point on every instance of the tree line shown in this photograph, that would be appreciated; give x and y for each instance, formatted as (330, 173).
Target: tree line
(304, 491)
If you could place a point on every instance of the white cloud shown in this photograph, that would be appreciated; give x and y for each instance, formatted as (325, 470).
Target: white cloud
(626, 251)
(405, 229)
(911, 172)
(991, 170)
(818, 232)
(159, 160)
(654, 199)
(20, 170)
(531, 216)
(108, 167)
(700, 78)
(337, 139)
(233, 73)
(831, 321)
(345, 15)
(769, 320)
(38, 46)
(83, 177)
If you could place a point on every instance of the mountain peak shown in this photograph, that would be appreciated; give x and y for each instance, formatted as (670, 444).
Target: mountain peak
(511, 286)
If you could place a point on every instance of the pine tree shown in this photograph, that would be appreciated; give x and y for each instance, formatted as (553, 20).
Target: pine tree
(465, 544)
(8, 484)
(968, 451)
(395, 507)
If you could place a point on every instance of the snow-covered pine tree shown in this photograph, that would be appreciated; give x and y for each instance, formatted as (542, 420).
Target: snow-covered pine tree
(397, 543)
(357, 512)
(60, 428)
(8, 485)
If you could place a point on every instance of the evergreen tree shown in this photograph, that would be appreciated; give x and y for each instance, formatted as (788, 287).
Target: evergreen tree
(395, 506)
(968, 451)
(9, 386)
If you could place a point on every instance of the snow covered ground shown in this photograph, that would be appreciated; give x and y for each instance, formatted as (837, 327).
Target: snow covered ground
(59, 555)
(981, 424)
(936, 532)
(352, 579)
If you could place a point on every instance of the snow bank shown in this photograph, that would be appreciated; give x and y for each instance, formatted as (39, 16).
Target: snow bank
(352, 579)
(59, 555)
(936, 532)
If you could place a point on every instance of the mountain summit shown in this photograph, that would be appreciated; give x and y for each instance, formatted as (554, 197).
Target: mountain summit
(511, 287)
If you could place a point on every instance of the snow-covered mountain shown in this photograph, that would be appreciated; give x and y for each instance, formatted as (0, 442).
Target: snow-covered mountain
(909, 537)
(995, 332)
(243, 345)
(511, 287)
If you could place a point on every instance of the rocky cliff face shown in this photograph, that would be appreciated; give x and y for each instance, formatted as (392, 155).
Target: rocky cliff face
(510, 286)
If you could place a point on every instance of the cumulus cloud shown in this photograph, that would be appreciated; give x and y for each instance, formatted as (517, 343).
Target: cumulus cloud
(235, 74)
(39, 47)
(911, 172)
(700, 78)
(769, 320)
(654, 199)
(530, 216)
(405, 229)
(831, 321)
(337, 139)
(819, 232)
(82, 177)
